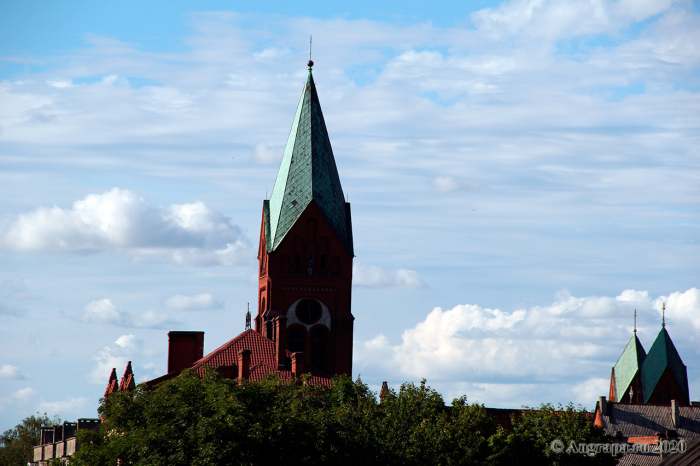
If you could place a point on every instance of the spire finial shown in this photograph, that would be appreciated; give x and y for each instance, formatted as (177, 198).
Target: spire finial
(247, 319)
(635, 321)
(310, 63)
(663, 315)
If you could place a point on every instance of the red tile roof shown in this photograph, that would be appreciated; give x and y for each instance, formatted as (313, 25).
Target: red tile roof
(263, 360)
(263, 352)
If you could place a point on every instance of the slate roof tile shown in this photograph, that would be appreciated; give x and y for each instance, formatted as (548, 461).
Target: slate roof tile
(663, 354)
(307, 172)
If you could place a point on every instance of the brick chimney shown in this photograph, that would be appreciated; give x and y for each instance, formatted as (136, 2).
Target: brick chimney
(184, 349)
(297, 363)
(281, 340)
(244, 364)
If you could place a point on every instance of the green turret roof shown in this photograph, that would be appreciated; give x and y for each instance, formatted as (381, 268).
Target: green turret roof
(627, 366)
(663, 354)
(308, 172)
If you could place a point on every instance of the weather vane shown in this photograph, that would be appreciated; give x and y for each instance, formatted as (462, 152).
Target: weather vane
(635, 321)
(311, 63)
(663, 315)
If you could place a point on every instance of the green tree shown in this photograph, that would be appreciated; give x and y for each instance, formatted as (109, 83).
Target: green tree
(212, 420)
(17, 444)
(414, 427)
(215, 421)
(534, 432)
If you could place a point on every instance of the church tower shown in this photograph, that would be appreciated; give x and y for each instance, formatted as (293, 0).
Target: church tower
(656, 377)
(306, 249)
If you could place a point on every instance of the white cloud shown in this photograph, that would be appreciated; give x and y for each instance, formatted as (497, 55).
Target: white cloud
(557, 19)
(116, 355)
(8, 371)
(190, 234)
(69, 408)
(681, 307)
(572, 342)
(20, 396)
(447, 184)
(264, 154)
(588, 390)
(376, 277)
(104, 311)
(60, 83)
(203, 301)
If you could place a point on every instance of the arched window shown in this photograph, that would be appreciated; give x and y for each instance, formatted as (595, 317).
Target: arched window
(262, 305)
(297, 263)
(323, 264)
(297, 339)
(309, 311)
(310, 265)
(318, 348)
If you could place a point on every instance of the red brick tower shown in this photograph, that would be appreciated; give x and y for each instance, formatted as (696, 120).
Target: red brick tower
(306, 249)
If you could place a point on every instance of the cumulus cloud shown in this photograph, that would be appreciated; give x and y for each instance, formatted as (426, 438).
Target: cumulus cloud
(105, 312)
(376, 277)
(10, 372)
(190, 234)
(203, 301)
(681, 307)
(116, 355)
(447, 184)
(567, 342)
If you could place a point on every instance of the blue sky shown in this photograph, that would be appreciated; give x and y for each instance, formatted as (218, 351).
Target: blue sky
(523, 175)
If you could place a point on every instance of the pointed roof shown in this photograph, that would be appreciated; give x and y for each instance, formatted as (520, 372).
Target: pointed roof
(627, 366)
(127, 383)
(307, 173)
(112, 384)
(662, 355)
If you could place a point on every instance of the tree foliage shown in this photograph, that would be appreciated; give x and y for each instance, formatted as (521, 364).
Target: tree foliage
(534, 432)
(17, 444)
(211, 420)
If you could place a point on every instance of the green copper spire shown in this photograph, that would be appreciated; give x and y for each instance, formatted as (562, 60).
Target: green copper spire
(308, 173)
(663, 354)
(627, 366)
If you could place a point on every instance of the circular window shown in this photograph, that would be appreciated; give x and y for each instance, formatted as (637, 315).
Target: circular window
(308, 311)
